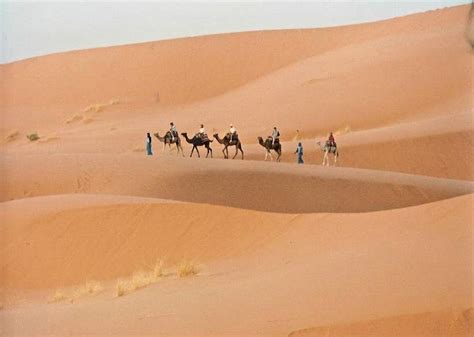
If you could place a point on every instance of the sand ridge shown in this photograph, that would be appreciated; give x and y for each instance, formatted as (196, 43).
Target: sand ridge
(282, 188)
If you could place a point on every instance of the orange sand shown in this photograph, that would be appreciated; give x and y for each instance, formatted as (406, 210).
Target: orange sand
(379, 246)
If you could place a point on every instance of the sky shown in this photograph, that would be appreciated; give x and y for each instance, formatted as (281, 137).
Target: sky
(34, 28)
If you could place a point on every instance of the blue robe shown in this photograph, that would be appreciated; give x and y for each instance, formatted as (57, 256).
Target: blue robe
(148, 147)
(299, 153)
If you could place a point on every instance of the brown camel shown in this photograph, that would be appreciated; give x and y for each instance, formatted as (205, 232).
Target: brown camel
(198, 141)
(168, 140)
(226, 141)
(269, 145)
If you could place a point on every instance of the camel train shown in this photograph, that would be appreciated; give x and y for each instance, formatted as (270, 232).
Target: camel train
(270, 144)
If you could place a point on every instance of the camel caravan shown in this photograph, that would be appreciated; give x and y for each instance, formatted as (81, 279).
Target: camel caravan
(231, 139)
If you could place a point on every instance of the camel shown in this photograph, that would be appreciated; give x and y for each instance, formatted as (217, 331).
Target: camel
(198, 141)
(226, 141)
(167, 139)
(269, 145)
(328, 149)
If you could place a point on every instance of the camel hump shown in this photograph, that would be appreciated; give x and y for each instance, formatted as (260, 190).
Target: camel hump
(204, 137)
(234, 136)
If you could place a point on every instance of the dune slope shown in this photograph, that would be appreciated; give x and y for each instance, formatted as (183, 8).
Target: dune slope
(263, 186)
(416, 260)
(445, 323)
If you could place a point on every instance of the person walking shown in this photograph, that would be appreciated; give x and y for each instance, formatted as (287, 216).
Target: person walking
(148, 144)
(299, 153)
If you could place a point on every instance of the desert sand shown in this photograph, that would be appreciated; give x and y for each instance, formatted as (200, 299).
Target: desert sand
(379, 245)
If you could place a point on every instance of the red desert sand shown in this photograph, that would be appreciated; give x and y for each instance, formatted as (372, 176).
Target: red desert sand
(99, 239)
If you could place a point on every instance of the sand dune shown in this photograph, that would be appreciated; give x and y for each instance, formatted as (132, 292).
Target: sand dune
(278, 273)
(212, 64)
(404, 114)
(433, 147)
(264, 186)
(321, 79)
(379, 246)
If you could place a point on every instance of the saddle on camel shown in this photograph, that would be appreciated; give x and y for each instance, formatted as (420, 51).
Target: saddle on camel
(270, 139)
(202, 136)
(232, 137)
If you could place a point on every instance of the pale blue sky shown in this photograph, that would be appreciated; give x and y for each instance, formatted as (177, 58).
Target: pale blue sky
(35, 28)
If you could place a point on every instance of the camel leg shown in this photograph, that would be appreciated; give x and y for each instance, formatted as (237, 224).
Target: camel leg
(326, 158)
(164, 145)
(271, 156)
(224, 152)
(236, 152)
(197, 150)
(208, 150)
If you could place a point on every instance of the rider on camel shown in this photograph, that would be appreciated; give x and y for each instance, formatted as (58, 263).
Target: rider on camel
(232, 132)
(202, 132)
(331, 141)
(173, 131)
(275, 135)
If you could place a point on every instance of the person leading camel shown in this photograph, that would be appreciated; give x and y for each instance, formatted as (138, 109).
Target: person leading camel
(173, 131)
(232, 132)
(275, 135)
(148, 144)
(299, 153)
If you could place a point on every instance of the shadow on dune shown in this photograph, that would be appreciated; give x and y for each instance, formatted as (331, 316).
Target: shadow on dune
(262, 186)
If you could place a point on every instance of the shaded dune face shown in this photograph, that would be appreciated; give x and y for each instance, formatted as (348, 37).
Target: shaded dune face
(125, 234)
(251, 185)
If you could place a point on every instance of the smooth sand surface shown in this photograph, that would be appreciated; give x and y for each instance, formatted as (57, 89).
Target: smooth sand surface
(278, 273)
(443, 323)
(380, 245)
